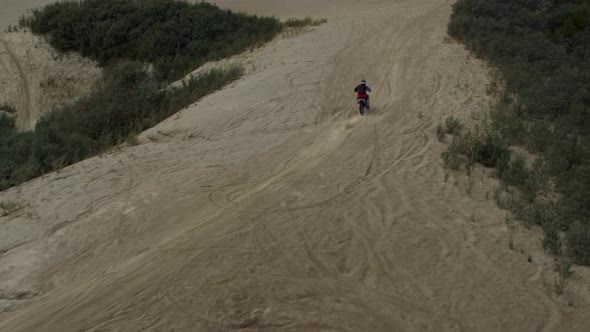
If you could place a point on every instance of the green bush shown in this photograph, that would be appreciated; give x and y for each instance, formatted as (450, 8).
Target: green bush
(578, 242)
(542, 51)
(563, 267)
(6, 107)
(526, 180)
(128, 101)
(551, 238)
(453, 157)
(483, 146)
(175, 36)
(516, 174)
(124, 36)
(7, 124)
(15, 151)
(453, 125)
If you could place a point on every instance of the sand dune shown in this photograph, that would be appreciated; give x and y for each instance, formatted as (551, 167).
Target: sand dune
(35, 79)
(271, 205)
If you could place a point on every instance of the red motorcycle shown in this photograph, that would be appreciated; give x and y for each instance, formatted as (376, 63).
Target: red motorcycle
(363, 103)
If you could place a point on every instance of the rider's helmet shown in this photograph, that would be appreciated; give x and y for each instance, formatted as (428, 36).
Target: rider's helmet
(363, 82)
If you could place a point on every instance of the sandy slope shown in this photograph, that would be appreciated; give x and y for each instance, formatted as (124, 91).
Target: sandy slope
(271, 205)
(36, 79)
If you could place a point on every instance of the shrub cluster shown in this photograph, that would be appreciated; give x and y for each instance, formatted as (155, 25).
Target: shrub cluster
(127, 102)
(175, 36)
(481, 145)
(143, 45)
(6, 107)
(542, 50)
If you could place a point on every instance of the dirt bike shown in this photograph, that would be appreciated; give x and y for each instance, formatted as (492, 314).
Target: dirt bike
(363, 103)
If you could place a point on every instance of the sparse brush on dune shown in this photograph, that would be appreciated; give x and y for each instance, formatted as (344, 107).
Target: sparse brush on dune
(176, 37)
(542, 52)
(126, 38)
(126, 103)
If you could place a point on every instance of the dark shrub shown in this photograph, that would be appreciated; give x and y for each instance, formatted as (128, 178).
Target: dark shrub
(542, 51)
(175, 36)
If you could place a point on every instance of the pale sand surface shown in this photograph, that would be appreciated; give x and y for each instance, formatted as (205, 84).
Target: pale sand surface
(272, 205)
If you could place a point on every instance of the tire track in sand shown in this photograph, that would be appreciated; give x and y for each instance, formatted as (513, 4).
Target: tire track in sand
(24, 116)
(373, 241)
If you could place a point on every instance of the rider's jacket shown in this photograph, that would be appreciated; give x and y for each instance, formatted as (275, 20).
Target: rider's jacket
(361, 91)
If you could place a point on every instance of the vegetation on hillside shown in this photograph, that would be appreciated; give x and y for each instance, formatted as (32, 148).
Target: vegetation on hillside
(176, 37)
(142, 45)
(127, 102)
(6, 107)
(542, 51)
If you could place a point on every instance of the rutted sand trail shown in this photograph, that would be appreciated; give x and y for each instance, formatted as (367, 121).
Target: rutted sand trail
(271, 205)
(9, 60)
(35, 79)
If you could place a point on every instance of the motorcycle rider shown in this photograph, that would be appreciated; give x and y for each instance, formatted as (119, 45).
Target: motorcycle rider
(361, 93)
